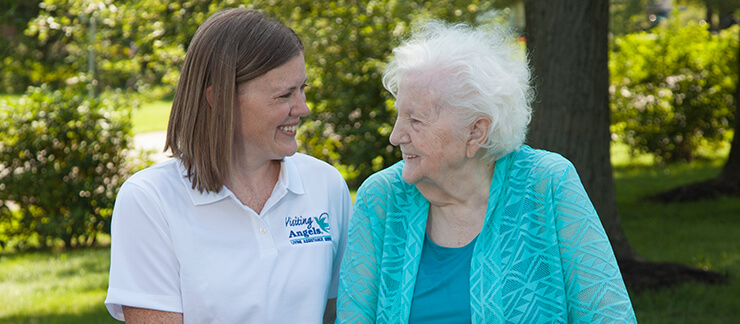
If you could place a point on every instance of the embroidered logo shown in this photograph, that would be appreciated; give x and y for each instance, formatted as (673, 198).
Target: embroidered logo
(305, 230)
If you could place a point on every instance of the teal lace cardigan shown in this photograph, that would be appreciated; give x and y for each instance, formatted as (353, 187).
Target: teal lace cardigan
(541, 257)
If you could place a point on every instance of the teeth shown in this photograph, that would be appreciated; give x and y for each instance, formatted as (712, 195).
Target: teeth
(408, 156)
(289, 128)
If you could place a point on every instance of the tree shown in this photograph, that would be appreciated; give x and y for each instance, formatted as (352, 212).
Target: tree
(346, 45)
(728, 182)
(672, 89)
(731, 170)
(14, 18)
(571, 117)
(571, 113)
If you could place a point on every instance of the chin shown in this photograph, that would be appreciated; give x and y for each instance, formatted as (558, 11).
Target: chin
(409, 178)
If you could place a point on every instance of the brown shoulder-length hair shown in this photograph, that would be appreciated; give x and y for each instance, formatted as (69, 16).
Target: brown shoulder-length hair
(230, 47)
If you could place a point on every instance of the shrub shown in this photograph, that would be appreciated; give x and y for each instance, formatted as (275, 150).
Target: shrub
(672, 89)
(63, 157)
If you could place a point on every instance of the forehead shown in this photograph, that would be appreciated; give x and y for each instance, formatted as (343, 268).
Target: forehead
(419, 92)
(290, 74)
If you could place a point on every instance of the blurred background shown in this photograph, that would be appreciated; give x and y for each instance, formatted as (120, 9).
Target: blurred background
(640, 94)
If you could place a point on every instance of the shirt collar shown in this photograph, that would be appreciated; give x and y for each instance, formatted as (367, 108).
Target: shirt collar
(289, 177)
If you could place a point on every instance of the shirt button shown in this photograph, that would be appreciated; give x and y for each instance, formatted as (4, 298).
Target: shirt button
(263, 230)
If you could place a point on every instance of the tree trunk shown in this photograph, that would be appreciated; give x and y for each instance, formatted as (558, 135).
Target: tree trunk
(567, 44)
(731, 170)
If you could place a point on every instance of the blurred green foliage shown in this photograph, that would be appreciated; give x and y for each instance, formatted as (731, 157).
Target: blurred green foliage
(668, 92)
(139, 45)
(347, 44)
(673, 89)
(63, 159)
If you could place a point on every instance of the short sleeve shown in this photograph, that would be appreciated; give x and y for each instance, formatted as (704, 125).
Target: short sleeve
(144, 268)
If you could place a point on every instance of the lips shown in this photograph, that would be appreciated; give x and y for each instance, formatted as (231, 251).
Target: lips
(289, 129)
(408, 156)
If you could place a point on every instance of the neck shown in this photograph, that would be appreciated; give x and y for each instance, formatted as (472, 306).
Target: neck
(464, 186)
(458, 206)
(252, 181)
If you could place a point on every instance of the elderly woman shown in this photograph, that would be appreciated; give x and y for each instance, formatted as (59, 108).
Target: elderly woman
(473, 226)
(238, 227)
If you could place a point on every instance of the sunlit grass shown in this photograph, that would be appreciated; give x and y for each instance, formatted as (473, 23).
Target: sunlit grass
(70, 287)
(11, 97)
(48, 287)
(151, 116)
(702, 234)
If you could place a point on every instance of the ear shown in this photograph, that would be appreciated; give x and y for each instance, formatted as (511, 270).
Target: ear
(209, 96)
(477, 136)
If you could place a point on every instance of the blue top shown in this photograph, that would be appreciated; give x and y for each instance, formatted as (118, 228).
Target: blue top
(442, 291)
(542, 255)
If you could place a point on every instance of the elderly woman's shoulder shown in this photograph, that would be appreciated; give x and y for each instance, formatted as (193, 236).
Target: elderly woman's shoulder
(386, 178)
(540, 161)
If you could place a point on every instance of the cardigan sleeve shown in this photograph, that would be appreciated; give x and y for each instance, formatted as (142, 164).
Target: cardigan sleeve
(360, 274)
(594, 287)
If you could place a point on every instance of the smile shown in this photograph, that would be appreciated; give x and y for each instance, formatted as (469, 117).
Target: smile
(409, 156)
(290, 129)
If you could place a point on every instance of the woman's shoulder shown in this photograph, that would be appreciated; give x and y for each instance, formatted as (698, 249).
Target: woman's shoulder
(385, 179)
(162, 172)
(538, 163)
(153, 181)
(311, 168)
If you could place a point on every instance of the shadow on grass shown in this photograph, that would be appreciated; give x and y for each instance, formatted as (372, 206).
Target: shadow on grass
(641, 275)
(98, 315)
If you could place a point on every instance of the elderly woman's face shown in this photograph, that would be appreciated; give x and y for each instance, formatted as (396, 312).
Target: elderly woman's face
(430, 141)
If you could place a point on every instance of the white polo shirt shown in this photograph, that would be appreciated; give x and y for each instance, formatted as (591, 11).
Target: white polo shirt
(217, 261)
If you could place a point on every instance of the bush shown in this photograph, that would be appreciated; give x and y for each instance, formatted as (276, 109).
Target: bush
(63, 159)
(673, 89)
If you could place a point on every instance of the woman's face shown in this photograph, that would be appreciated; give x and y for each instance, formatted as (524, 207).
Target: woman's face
(431, 141)
(268, 111)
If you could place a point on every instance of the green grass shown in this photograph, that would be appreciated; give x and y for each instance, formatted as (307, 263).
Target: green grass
(152, 116)
(69, 287)
(702, 234)
(47, 287)
(11, 97)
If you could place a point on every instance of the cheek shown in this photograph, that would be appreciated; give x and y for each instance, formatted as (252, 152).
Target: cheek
(439, 142)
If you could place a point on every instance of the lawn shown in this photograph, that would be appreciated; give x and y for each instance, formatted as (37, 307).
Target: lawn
(45, 287)
(69, 287)
(703, 234)
(151, 116)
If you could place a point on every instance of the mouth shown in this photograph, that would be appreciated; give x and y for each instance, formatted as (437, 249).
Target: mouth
(409, 156)
(289, 129)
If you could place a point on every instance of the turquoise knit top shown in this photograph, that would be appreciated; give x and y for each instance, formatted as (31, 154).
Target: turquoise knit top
(542, 255)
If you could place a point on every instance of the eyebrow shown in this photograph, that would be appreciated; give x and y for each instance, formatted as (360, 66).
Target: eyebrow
(294, 87)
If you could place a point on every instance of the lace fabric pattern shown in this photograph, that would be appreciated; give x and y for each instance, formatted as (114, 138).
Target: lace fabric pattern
(541, 257)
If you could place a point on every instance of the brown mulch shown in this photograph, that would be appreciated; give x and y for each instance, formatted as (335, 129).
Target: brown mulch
(640, 275)
(700, 190)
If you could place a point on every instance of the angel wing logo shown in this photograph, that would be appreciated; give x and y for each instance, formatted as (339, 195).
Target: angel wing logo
(323, 222)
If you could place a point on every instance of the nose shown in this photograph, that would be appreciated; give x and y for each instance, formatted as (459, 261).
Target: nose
(399, 135)
(299, 108)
